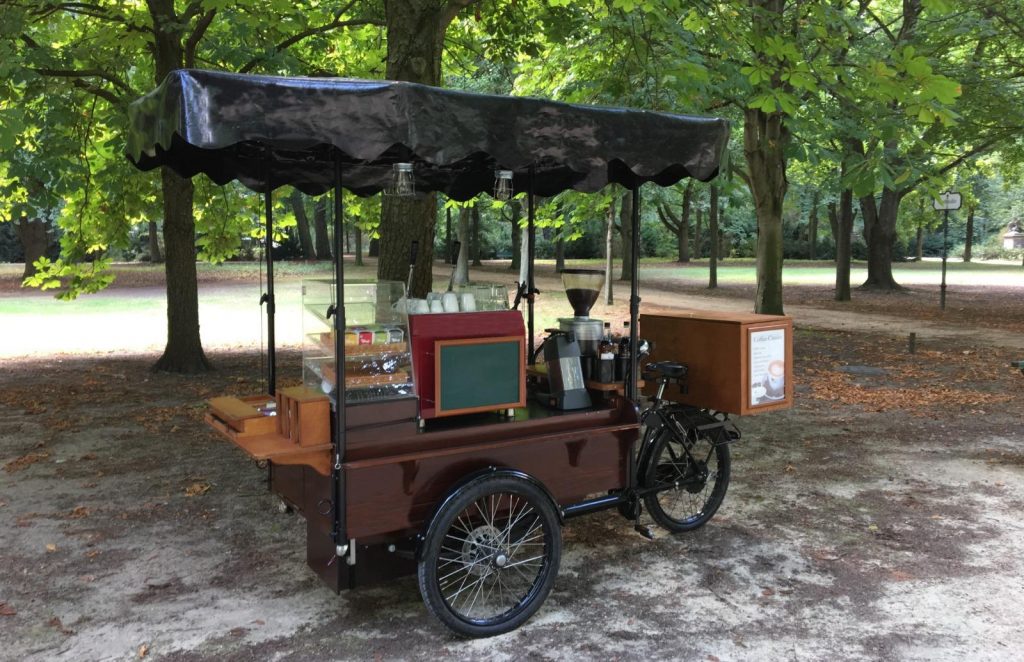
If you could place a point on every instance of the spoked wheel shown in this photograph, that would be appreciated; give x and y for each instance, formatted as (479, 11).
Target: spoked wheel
(490, 556)
(695, 472)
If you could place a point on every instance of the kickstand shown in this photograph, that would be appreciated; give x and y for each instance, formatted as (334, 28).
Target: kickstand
(642, 529)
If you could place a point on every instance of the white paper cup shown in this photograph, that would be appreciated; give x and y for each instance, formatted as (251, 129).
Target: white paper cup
(468, 302)
(450, 301)
(436, 306)
(418, 306)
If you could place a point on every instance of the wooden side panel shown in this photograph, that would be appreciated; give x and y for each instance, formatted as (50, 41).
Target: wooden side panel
(399, 493)
(716, 348)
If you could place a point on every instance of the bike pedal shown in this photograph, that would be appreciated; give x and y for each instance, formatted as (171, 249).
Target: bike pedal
(644, 530)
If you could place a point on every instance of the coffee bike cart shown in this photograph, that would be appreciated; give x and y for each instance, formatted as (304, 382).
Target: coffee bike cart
(432, 442)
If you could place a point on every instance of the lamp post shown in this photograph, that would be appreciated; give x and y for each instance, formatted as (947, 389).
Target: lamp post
(945, 202)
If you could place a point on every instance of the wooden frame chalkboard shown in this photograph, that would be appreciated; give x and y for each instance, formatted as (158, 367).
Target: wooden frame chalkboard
(479, 374)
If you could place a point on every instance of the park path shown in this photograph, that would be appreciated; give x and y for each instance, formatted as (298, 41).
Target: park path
(809, 317)
(135, 319)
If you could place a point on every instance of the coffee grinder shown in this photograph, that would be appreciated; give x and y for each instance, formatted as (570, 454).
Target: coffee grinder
(582, 287)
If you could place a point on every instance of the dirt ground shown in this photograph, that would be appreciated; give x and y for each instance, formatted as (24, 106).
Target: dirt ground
(879, 519)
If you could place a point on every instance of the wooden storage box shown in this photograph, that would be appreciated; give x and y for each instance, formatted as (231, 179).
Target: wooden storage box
(740, 363)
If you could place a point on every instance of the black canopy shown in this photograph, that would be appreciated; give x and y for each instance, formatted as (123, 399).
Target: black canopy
(289, 131)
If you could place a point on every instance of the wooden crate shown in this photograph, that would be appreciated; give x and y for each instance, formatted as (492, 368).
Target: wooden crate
(728, 355)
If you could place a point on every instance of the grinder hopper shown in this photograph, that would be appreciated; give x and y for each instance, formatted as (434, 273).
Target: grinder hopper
(582, 287)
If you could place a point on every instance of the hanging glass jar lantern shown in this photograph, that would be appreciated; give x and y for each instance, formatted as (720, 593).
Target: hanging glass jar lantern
(403, 184)
(503, 185)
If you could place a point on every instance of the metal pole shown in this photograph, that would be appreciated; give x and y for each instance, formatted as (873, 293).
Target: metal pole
(269, 296)
(529, 261)
(634, 297)
(945, 243)
(340, 536)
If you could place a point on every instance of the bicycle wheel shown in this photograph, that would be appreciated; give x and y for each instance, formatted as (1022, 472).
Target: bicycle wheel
(490, 557)
(695, 473)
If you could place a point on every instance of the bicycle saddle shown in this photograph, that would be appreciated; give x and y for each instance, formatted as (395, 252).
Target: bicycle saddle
(669, 369)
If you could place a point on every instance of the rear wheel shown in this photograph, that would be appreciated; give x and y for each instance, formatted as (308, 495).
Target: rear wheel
(490, 556)
(695, 472)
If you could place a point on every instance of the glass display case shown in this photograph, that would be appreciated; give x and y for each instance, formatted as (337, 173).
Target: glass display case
(378, 364)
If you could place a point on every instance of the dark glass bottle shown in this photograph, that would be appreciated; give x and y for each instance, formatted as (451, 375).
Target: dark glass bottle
(622, 360)
(606, 356)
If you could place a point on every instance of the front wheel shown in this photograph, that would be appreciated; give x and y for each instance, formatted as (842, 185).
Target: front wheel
(694, 471)
(490, 556)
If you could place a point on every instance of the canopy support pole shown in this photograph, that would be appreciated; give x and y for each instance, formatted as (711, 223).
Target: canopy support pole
(530, 204)
(340, 538)
(634, 298)
(268, 298)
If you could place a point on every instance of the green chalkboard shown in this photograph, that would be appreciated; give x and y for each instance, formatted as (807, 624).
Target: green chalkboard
(479, 374)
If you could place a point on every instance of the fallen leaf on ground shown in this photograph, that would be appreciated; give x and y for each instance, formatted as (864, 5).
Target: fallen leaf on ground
(79, 512)
(24, 461)
(768, 592)
(197, 489)
(50, 547)
(143, 651)
(6, 609)
(59, 626)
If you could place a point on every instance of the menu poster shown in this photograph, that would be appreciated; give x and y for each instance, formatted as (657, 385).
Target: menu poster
(767, 366)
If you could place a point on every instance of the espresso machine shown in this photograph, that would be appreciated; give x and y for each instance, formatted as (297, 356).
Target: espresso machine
(582, 287)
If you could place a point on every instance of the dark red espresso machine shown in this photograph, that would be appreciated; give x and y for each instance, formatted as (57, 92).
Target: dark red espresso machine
(429, 331)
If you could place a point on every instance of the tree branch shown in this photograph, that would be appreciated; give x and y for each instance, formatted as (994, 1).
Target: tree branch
(197, 35)
(310, 32)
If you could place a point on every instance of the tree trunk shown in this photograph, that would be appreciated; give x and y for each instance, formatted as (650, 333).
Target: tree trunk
(34, 237)
(323, 241)
(559, 252)
(448, 257)
(698, 247)
(302, 224)
(462, 263)
(517, 233)
(184, 350)
(475, 243)
(833, 223)
(919, 248)
(154, 244)
(713, 234)
(626, 232)
(359, 243)
(843, 235)
(609, 235)
(765, 138)
(415, 39)
(969, 238)
(812, 226)
(683, 238)
(880, 233)
(374, 250)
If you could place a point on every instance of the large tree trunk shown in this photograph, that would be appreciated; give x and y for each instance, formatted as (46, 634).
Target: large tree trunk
(833, 223)
(359, 243)
(969, 238)
(919, 247)
(475, 240)
(764, 144)
(517, 233)
(812, 226)
(154, 244)
(713, 234)
(323, 241)
(34, 237)
(609, 241)
(302, 224)
(880, 233)
(184, 350)
(683, 238)
(462, 262)
(626, 231)
(698, 241)
(843, 234)
(559, 252)
(448, 257)
(415, 38)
